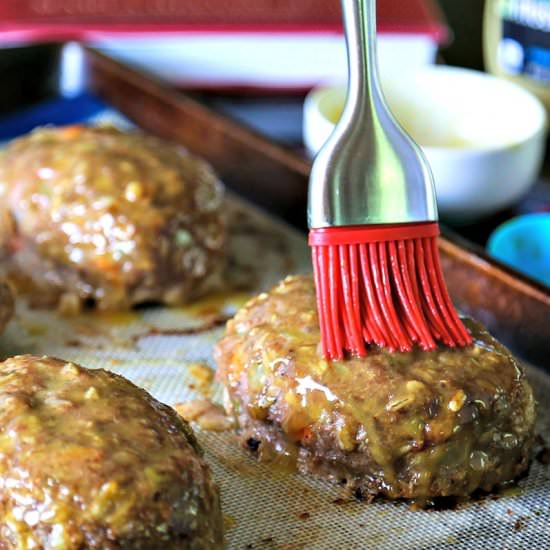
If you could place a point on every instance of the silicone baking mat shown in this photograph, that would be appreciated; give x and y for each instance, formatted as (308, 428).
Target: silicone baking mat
(168, 352)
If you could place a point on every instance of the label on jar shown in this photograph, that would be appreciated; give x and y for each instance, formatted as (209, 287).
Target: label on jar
(525, 44)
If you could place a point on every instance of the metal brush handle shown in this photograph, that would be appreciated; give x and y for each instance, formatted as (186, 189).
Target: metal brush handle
(369, 171)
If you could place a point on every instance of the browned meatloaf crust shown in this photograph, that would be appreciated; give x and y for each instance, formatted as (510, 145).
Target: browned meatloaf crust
(90, 461)
(109, 218)
(6, 305)
(414, 425)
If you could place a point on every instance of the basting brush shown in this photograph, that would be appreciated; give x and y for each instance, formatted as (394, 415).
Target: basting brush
(373, 224)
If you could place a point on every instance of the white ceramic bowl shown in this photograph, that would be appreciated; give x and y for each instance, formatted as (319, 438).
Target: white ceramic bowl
(483, 136)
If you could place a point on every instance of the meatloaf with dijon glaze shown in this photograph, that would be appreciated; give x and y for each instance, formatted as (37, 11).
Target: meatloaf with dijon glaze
(88, 461)
(108, 218)
(415, 425)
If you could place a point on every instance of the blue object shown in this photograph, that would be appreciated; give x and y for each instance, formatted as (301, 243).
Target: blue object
(57, 111)
(524, 244)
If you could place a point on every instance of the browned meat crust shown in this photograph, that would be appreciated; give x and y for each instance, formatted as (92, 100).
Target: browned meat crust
(108, 217)
(413, 425)
(88, 461)
(6, 305)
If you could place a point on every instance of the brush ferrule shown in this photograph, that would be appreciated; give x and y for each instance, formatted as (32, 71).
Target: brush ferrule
(330, 236)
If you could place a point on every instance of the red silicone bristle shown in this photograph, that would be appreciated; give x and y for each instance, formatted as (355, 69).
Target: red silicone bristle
(382, 285)
(350, 290)
(372, 318)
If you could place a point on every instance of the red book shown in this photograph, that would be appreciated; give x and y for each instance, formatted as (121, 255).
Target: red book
(212, 43)
(174, 11)
(396, 14)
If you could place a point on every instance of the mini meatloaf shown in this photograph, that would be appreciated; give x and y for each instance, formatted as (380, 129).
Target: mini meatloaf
(109, 218)
(88, 461)
(412, 425)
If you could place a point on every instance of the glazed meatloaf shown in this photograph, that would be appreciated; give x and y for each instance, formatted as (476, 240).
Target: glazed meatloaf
(413, 425)
(90, 461)
(109, 218)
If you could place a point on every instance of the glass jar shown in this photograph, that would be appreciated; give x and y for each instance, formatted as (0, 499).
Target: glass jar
(517, 43)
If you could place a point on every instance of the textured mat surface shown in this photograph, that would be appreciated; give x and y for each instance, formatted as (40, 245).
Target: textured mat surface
(159, 349)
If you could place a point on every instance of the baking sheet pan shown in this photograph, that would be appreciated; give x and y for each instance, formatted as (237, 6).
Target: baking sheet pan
(160, 348)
